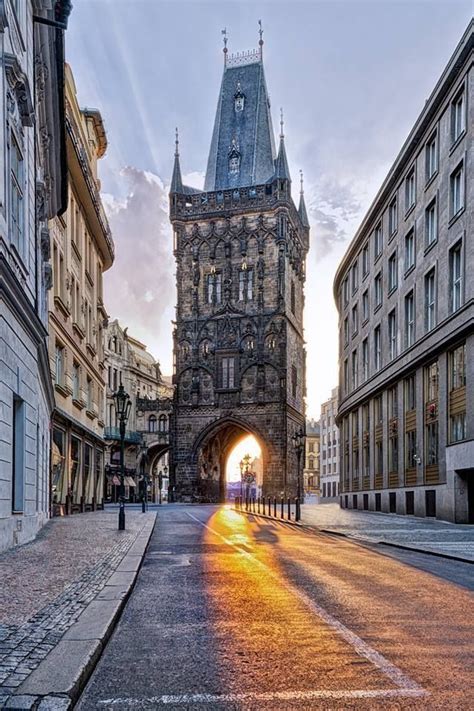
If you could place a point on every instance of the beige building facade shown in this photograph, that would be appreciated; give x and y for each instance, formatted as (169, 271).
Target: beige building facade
(82, 249)
(311, 471)
(329, 449)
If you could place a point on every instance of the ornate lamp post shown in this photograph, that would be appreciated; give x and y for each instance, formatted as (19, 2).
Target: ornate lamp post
(122, 411)
(244, 471)
(298, 444)
(241, 465)
(144, 450)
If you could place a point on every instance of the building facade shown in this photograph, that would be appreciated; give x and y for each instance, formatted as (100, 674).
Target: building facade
(147, 435)
(406, 307)
(32, 191)
(240, 249)
(329, 449)
(311, 470)
(81, 250)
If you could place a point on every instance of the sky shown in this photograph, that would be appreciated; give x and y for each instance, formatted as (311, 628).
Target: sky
(351, 76)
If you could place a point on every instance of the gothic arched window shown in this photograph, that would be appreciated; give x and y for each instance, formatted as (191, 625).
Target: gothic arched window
(163, 424)
(152, 423)
(234, 164)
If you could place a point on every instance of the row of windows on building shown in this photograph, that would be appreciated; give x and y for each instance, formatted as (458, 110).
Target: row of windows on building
(456, 198)
(455, 288)
(329, 468)
(77, 380)
(329, 489)
(456, 414)
(245, 290)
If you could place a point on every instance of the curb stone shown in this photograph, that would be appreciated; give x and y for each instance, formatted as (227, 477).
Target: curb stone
(58, 681)
(357, 539)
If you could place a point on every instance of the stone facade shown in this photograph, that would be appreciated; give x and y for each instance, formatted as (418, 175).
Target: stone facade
(32, 191)
(240, 251)
(406, 306)
(81, 250)
(311, 470)
(329, 449)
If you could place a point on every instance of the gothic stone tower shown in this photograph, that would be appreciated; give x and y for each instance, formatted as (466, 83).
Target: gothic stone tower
(240, 248)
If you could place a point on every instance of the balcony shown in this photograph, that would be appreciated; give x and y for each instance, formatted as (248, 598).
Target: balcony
(113, 433)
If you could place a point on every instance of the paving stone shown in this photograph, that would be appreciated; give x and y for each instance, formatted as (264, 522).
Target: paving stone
(21, 702)
(55, 703)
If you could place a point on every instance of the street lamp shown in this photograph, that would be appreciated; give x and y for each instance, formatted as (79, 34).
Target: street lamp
(122, 411)
(244, 474)
(298, 444)
(143, 451)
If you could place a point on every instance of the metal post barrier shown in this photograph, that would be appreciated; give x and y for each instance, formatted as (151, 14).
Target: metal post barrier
(298, 510)
(258, 504)
(289, 508)
(269, 501)
(282, 508)
(274, 506)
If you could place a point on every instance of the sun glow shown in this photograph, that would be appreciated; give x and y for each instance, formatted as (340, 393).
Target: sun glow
(248, 445)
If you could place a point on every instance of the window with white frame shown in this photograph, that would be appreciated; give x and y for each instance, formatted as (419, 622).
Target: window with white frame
(378, 241)
(410, 190)
(392, 217)
(16, 195)
(355, 277)
(392, 272)
(365, 305)
(246, 284)
(345, 291)
(392, 334)
(377, 348)
(228, 372)
(75, 381)
(410, 250)
(430, 300)
(456, 276)
(90, 393)
(431, 156)
(355, 319)
(59, 364)
(378, 290)
(458, 116)
(431, 223)
(457, 190)
(214, 288)
(365, 259)
(410, 319)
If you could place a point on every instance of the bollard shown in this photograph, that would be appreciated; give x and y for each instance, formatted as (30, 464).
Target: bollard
(289, 508)
(298, 510)
(274, 506)
(269, 506)
(282, 508)
(258, 505)
(143, 505)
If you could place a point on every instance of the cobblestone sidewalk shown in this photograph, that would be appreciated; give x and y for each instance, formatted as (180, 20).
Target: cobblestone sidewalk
(424, 534)
(48, 583)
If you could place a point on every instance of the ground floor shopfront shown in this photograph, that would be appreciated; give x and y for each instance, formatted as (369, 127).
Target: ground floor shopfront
(77, 468)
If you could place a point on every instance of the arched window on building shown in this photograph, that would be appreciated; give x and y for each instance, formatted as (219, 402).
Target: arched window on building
(152, 423)
(163, 424)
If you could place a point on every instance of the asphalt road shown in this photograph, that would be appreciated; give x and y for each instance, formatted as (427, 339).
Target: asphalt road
(236, 612)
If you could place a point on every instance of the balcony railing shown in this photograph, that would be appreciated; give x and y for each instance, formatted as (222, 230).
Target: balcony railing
(130, 436)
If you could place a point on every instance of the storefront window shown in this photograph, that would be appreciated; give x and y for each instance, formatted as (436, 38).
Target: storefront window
(76, 469)
(99, 475)
(87, 474)
(58, 460)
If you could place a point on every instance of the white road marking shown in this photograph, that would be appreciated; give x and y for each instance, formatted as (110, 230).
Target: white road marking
(184, 699)
(402, 681)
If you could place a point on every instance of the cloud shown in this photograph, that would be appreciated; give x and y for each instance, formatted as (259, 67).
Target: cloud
(140, 286)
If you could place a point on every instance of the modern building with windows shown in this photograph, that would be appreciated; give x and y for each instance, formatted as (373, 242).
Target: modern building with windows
(406, 406)
(32, 191)
(81, 250)
(311, 462)
(128, 363)
(329, 450)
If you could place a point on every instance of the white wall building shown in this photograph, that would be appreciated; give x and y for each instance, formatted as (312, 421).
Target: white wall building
(329, 450)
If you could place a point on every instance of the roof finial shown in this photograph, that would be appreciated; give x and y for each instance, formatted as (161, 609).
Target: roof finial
(176, 141)
(224, 32)
(260, 32)
(282, 135)
(301, 183)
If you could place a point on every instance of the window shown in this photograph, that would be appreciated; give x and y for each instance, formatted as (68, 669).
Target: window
(378, 410)
(393, 454)
(59, 365)
(431, 157)
(365, 305)
(346, 376)
(432, 443)
(378, 290)
(16, 188)
(245, 284)
(410, 449)
(293, 298)
(345, 290)
(152, 423)
(430, 300)
(457, 190)
(392, 217)
(18, 454)
(409, 319)
(90, 393)
(234, 164)
(162, 424)
(431, 382)
(76, 380)
(457, 427)
(294, 380)
(377, 348)
(346, 331)
(355, 277)
(458, 367)
(393, 403)
(458, 116)
(228, 372)
(365, 260)
(355, 319)
(392, 272)
(392, 334)
(431, 224)
(214, 288)
(410, 190)
(410, 250)
(355, 371)
(378, 241)
(365, 359)
(456, 277)
(457, 404)
(410, 393)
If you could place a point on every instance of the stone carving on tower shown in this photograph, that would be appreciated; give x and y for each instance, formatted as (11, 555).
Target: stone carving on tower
(240, 249)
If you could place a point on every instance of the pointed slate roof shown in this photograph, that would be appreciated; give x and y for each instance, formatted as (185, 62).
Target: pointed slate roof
(245, 132)
(176, 180)
(281, 164)
(302, 206)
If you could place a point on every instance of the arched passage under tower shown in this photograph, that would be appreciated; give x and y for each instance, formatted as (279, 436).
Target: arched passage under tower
(211, 453)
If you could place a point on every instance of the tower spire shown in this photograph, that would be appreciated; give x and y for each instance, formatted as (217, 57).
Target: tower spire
(260, 43)
(225, 50)
(176, 180)
(282, 135)
(282, 172)
(302, 206)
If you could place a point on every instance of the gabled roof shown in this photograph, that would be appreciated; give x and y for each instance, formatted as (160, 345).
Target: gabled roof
(247, 131)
